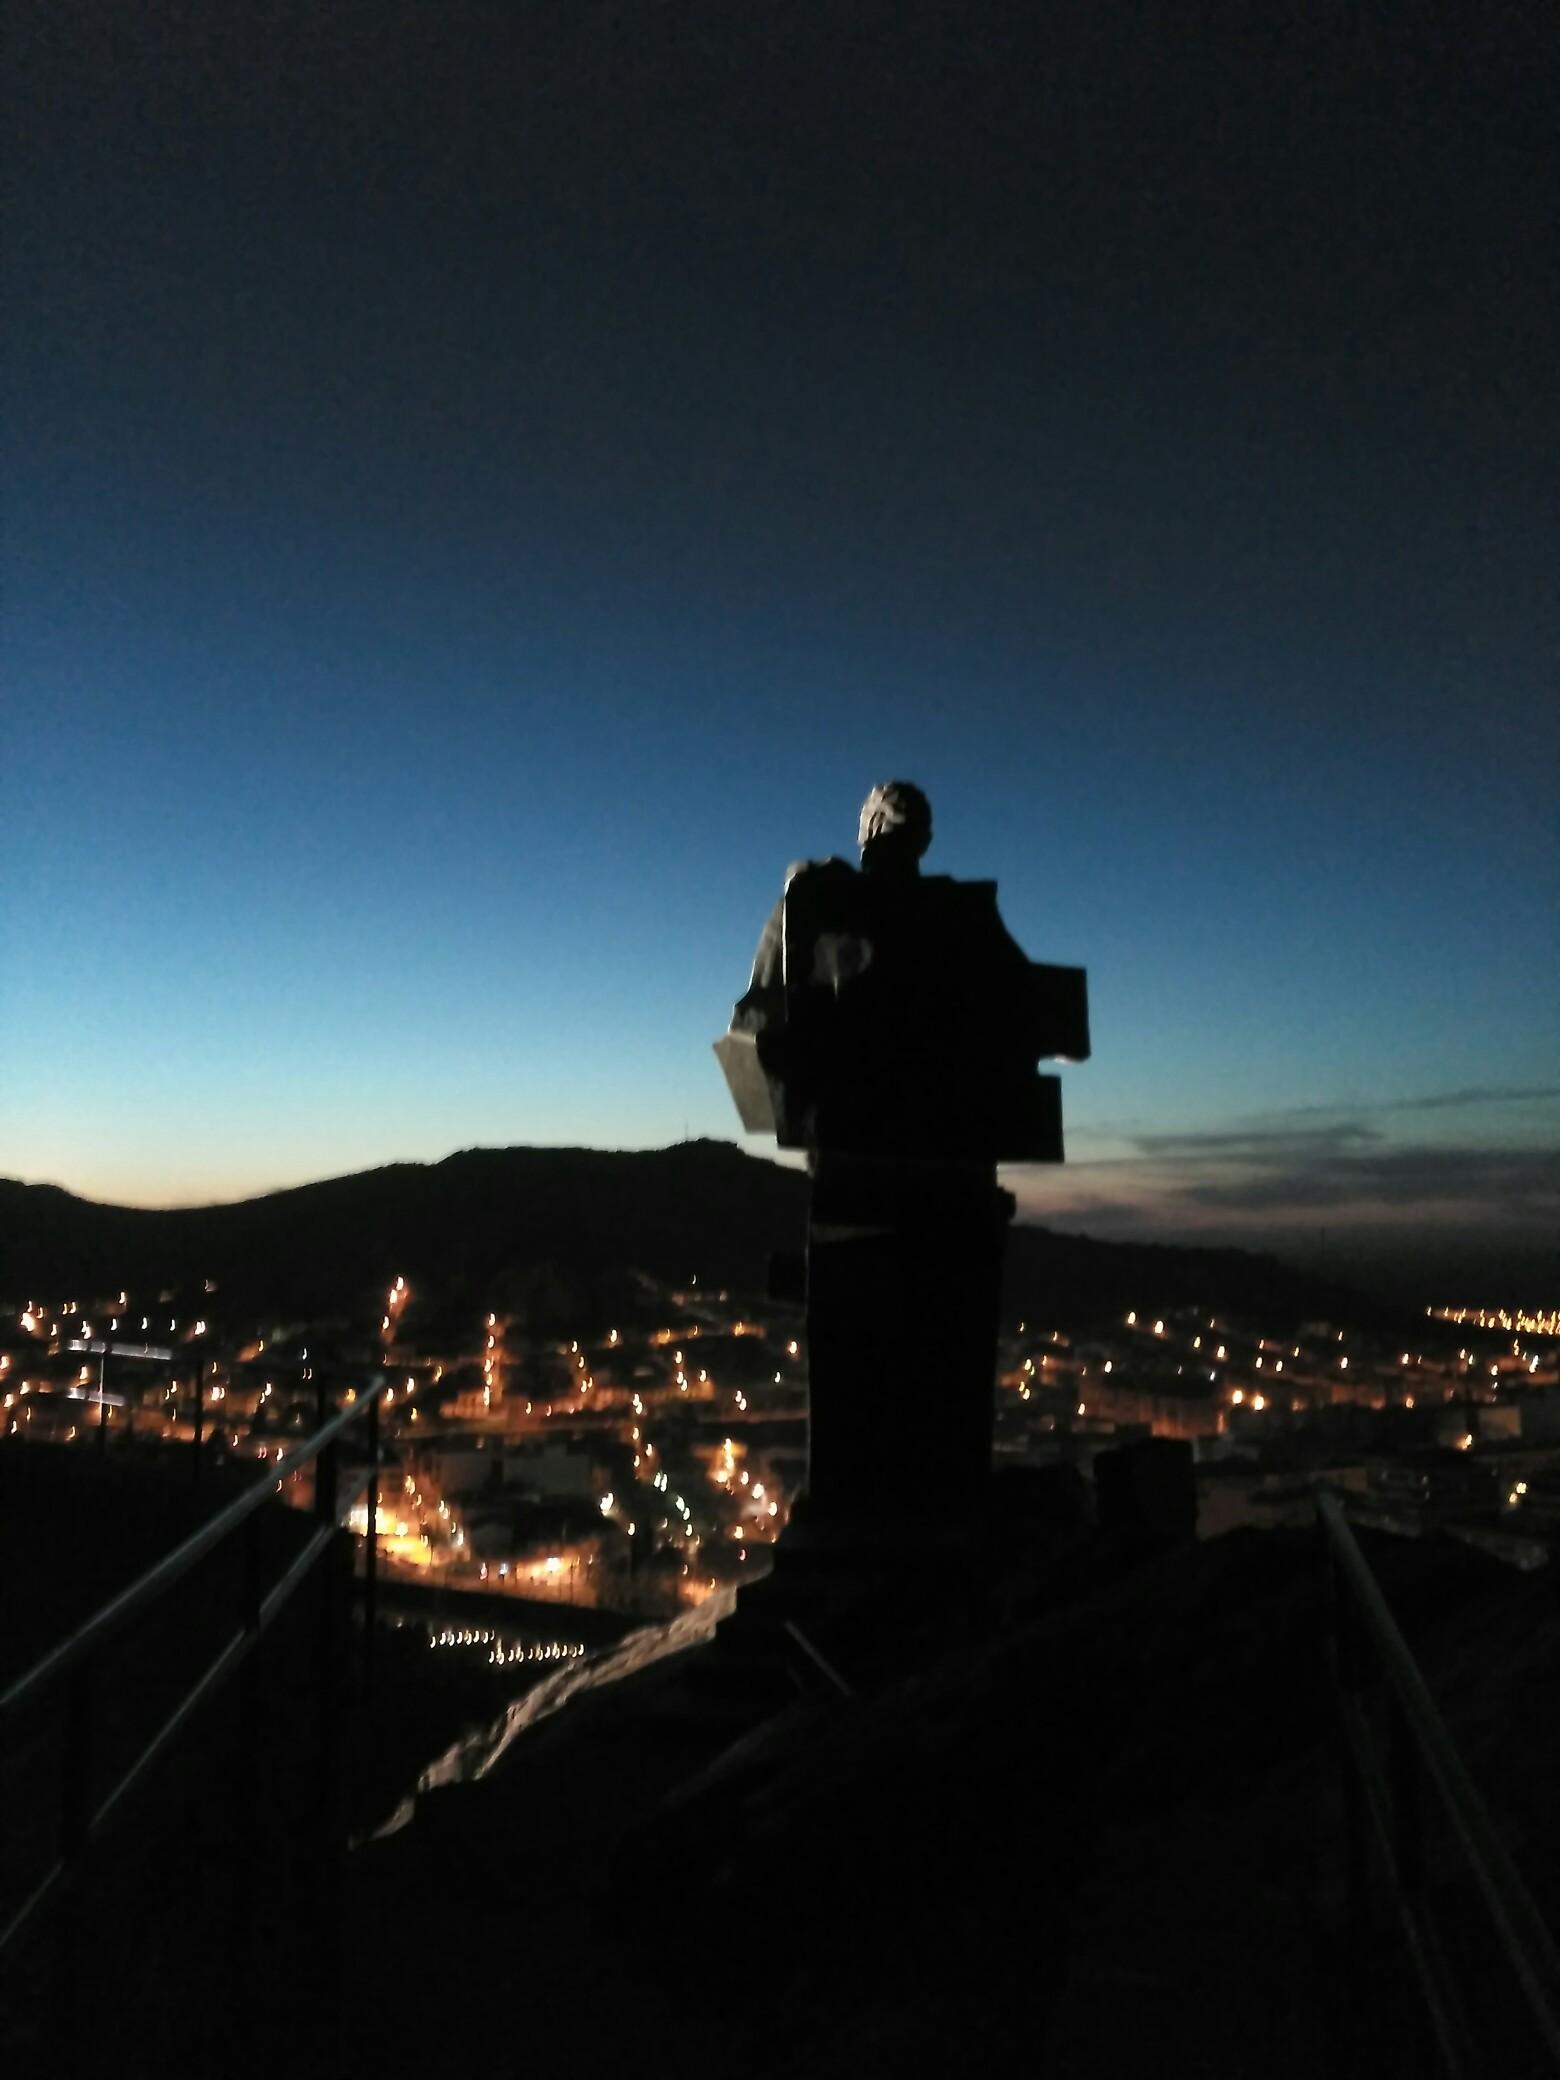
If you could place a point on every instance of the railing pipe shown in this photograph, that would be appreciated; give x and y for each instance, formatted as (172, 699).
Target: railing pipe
(1420, 1743)
(159, 1579)
(75, 1661)
(79, 1820)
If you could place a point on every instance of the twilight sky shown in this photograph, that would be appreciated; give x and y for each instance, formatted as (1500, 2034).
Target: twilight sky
(488, 485)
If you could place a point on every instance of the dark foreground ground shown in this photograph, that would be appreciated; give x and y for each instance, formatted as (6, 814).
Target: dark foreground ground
(1090, 1823)
(1097, 1833)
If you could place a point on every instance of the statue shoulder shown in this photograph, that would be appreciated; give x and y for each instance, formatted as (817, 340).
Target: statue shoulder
(819, 873)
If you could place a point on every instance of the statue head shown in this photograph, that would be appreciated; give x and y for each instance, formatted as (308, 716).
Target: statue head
(896, 828)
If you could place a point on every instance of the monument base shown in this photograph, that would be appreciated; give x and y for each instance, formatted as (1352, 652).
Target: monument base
(904, 1271)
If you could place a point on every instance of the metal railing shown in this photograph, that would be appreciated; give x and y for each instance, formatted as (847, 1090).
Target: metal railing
(1384, 1799)
(75, 1664)
(203, 1396)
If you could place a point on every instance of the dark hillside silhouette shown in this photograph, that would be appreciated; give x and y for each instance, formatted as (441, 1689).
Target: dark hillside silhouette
(482, 1224)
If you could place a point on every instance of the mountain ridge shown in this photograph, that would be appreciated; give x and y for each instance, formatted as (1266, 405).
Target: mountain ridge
(468, 1224)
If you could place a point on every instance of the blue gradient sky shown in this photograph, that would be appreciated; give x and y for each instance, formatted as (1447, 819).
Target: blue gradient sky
(464, 540)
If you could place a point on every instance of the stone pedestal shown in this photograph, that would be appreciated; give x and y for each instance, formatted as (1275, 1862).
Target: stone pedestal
(904, 1269)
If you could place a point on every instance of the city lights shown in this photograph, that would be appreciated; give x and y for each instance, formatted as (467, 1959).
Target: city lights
(645, 1414)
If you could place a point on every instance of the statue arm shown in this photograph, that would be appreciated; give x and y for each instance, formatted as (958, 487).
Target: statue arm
(760, 1008)
(763, 1008)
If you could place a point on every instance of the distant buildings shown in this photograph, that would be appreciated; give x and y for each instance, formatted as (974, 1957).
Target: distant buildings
(669, 1449)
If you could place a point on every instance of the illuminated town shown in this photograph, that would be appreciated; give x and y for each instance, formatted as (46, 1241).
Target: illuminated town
(639, 1466)
(629, 1468)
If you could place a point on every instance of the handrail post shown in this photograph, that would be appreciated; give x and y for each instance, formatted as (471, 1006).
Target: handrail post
(325, 1484)
(1346, 1662)
(371, 1550)
(1408, 1840)
(76, 1763)
(251, 1722)
(326, 1644)
(75, 1832)
(200, 1416)
(249, 1607)
(330, 1833)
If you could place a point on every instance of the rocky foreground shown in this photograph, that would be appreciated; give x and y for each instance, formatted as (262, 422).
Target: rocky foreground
(1094, 1827)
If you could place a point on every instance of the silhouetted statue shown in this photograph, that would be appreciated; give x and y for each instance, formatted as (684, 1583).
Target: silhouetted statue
(891, 1028)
